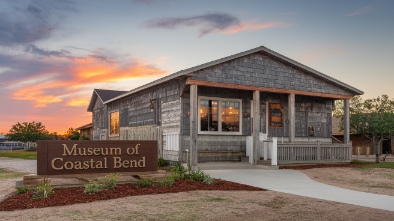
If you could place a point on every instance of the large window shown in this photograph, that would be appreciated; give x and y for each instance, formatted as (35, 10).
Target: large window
(114, 123)
(219, 116)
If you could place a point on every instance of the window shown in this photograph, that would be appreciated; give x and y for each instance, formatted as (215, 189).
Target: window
(114, 123)
(219, 116)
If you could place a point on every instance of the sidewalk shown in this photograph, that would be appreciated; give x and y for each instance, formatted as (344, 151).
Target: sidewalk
(295, 182)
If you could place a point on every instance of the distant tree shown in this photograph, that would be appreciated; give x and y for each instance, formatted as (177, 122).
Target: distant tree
(28, 132)
(72, 134)
(373, 118)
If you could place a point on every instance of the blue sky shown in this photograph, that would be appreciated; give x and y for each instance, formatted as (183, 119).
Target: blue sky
(54, 53)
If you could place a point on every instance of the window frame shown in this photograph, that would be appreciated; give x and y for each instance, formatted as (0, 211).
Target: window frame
(220, 100)
(109, 124)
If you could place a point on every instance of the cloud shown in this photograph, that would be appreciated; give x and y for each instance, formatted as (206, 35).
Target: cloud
(210, 22)
(252, 26)
(67, 80)
(364, 10)
(145, 2)
(31, 21)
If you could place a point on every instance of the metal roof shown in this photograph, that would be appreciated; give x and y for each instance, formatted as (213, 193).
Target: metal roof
(355, 91)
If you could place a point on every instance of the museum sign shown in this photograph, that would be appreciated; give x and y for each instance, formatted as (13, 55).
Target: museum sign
(75, 157)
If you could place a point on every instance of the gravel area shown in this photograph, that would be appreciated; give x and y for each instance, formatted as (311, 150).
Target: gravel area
(19, 165)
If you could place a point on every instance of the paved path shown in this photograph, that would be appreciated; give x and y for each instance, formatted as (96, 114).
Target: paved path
(295, 182)
(20, 165)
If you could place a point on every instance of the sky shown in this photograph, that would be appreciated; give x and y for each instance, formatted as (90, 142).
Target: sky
(53, 54)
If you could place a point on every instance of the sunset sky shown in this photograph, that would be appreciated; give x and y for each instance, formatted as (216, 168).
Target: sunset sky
(54, 53)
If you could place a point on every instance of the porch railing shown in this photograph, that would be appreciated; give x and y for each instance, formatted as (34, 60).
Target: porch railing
(313, 152)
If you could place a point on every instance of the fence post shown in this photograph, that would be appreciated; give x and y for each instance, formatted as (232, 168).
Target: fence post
(274, 157)
(318, 150)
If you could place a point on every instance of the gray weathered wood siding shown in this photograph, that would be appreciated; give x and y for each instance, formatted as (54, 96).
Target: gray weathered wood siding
(262, 70)
(99, 119)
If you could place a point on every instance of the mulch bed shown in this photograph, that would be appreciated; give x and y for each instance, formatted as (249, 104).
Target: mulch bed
(311, 166)
(74, 195)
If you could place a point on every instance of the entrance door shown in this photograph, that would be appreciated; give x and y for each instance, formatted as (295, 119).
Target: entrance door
(386, 147)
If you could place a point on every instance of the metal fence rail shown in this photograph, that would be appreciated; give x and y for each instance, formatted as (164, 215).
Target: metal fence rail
(17, 145)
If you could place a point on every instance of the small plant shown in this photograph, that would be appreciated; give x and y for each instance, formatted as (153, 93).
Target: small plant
(168, 181)
(92, 188)
(22, 190)
(109, 181)
(208, 180)
(174, 176)
(162, 162)
(144, 183)
(197, 175)
(181, 171)
(42, 190)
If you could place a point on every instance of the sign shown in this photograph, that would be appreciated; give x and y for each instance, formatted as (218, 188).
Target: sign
(55, 157)
(276, 114)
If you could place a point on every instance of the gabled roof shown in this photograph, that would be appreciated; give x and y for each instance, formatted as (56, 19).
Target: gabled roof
(86, 126)
(103, 95)
(318, 74)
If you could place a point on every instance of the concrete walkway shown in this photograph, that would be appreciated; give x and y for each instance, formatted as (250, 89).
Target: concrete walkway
(295, 182)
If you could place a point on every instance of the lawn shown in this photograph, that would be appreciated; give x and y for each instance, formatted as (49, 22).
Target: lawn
(5, 174)
(27, 155)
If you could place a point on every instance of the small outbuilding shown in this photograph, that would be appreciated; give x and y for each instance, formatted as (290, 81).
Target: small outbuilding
(249, 105)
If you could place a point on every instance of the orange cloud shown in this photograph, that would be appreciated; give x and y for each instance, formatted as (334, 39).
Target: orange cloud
(81, 73)
(251, 26)
(81, 102)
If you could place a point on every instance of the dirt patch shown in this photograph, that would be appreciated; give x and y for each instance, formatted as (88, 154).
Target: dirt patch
(205, 205)
(69, 196)
(378, 180)
(311, 166)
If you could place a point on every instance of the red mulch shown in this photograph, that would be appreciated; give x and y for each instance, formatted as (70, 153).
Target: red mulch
(73, 195)
(311, 166)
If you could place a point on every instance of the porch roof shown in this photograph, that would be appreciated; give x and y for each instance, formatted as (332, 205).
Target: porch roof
(185, 72)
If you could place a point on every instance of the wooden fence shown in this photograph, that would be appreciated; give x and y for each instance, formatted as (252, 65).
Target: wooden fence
(313, 152)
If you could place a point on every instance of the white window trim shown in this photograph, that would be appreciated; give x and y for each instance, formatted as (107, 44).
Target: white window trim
(109, 124)
(219, 132)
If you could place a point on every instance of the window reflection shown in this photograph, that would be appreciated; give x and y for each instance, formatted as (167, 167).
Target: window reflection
(209, 115)
(114, 120)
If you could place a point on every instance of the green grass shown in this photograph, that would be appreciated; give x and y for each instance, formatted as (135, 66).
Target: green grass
(389, 165)
(27, 155)
(5, 174)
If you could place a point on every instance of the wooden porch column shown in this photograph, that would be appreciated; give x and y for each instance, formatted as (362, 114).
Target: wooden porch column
(291, 106)
(256, 126)
(193, 126)
(346, 132)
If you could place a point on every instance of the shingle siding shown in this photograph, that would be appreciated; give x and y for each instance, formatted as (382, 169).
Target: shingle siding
(261, 70)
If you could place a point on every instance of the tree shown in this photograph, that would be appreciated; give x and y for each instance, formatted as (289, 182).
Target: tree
(72, 134)
(28, 132)
(373, 118)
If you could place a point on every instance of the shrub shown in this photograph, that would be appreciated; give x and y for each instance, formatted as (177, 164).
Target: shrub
(181, 171)
(162, 162)
(22, 190)
(92, 188)
(197, 175)
(168, 181)
(174, 176)
(42, 190)
(208, 180)
(109, 181)
(144, 183)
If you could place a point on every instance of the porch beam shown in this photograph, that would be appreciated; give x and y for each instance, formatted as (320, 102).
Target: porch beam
(256, 126)
(193, 126)
(346, 122)
(265, 89)
(291, 117)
